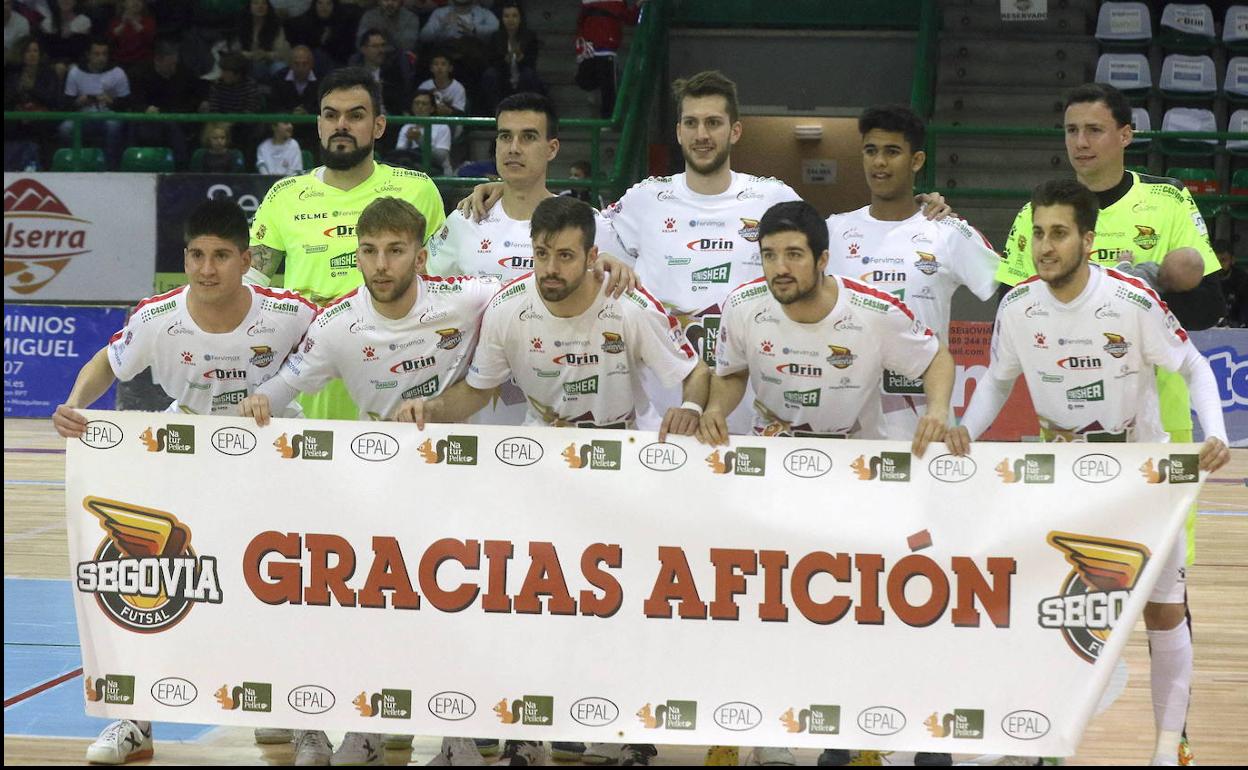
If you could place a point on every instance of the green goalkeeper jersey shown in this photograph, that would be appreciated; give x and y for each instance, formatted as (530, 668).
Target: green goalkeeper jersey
(1149, 216)
(314, 224)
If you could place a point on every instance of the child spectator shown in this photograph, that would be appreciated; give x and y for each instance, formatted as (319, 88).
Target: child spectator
(409, 148)
(280, 154)
(449, 95)
(218, 157)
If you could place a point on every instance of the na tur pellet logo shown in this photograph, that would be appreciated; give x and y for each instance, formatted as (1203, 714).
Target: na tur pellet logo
(248, 696)
(816, 720)
(308, 445)
(672, 715)
(742, 461)
(887, 466)
(144, 574)
(1031, 469)
(174, 439)
(387, 704)
(112, 688)
(527, 710)
(596, 455)
(452, 450)
(41, 236)
(1176, 469)
(962, 723)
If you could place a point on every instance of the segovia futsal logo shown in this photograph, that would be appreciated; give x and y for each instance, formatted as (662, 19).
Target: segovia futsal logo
(1103, 573)
(144, 575)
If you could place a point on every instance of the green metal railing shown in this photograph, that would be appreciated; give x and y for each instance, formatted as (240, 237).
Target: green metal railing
(936, 132)
(637, 87)
(921, 89)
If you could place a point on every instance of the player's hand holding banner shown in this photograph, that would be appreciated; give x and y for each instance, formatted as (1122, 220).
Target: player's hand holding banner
(598, 585)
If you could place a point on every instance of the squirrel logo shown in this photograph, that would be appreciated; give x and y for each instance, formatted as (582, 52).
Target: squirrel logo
(289, 449)
(865, 471)
(1158, 475)
(1010, 474)
(229, 700)
(796, 724)
(508, 714)
(721, 466)
(366, 707)
(433, 453)
(154, 443)
(652, 720)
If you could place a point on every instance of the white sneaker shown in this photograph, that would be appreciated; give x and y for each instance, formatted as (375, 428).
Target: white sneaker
(458, 752)
(312, 748)
(771, 756)
(396, 741)
(602, 753)
(121, 742)
(266, 736)
(358, 749)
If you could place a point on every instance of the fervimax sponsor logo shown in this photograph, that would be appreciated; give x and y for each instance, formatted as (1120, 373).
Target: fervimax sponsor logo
(816, 720)
(672, 715)
(527, 710)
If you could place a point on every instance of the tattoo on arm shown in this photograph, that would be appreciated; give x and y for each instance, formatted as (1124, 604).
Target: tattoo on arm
(267, 260)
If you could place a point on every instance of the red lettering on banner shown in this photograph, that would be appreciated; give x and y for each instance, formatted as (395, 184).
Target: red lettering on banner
(283, 585)
(612, 593)
(323, 578)
(811, 564)
(728, 583)
(774, 564)
(388, 573)
(467, 553)
(675, 582)
(912, 566)
(497, 553)
(868, 611)
(545, 578)
(972, 585)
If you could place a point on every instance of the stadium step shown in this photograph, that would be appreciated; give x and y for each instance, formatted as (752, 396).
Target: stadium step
(983, 17)
(1057, 62)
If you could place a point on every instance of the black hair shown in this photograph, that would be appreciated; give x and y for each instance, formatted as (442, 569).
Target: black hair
(345, 78)
(220, 217)
(1068, 192)
(562, 212)
(896, 118)
(527, 101)
(1118, 104)
(796, 216)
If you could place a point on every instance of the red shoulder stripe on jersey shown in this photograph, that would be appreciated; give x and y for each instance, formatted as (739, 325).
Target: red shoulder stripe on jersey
(982, 237)
(762, 279)
(116, 336)
(672, 323)
(448, 278)
(1032, 279)
(341, 299)
(509, 284)
(865, 289)
(285, 294)
(157, 298)
(1180, 332)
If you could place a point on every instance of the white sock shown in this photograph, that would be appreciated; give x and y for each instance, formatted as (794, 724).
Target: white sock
(1171, 675)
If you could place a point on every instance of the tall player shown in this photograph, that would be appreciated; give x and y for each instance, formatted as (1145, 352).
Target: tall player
(527, 140)
(891, 245)
(1070, 298)
(308, 221)
(406, 336)
(246, 330)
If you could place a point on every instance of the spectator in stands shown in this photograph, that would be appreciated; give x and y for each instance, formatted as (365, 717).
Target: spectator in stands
(409, 149)
(449, 96)
(29, 86)
(295, 91)
(290, 9)
(400, 26)
(132, 33)
(329, 30)
(165, 85)
(599, 34)
(1234, 286)
(98, 85)
(16, 28)
(260, 39)
(462, 29)
(66, 32)
(512, 56)
(582, 170)
(218, 156)
(393, 70)
(235, 90)
(280, 154)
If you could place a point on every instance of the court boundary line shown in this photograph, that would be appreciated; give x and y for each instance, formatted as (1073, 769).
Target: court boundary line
(48, 685)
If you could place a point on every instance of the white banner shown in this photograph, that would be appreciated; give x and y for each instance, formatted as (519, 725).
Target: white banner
(85, 237)
(596, 585)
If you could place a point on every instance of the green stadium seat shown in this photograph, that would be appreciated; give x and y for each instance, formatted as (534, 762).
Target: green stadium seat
(1199, 181)
(238, 165)
(1239, 186)
(85, 159)
(157, 160)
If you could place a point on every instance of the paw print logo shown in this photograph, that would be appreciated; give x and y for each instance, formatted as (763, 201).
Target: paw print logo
(485, 244)
(669, 225)
(369, 353)
(1040, 343)
(853, 249)
(536, 342)
(766, 346)
(187, 358)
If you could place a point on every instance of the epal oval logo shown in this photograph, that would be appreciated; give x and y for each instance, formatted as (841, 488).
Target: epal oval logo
(374, 447)
(951, 469)
(174, 691)
(518, 451)
(311, 699)
(101, 434)
(662, 456)
(1025, 725)
(881, 720)
(235, 442)
(807, 463)
(738, 716)
(1096, 468)
(594, 712)
(452, 706)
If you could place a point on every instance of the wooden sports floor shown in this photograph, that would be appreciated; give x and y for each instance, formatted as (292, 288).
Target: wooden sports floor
(35, 548)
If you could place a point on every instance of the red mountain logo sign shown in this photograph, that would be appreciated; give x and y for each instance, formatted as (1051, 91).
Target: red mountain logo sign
(41, 236)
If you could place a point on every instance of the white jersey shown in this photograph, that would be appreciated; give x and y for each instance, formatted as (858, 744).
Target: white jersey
(209, 373)
(922, 263)
(821, 379)
(383, 361)
(497, 247)
(584, 370)
(691, 250)
(1088, 363)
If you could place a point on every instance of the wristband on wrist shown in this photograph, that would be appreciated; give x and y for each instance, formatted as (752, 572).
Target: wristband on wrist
(691, 406)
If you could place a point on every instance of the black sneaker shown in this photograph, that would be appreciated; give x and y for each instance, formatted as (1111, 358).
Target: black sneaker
(929, 759)
(834, 758)
(637, 754)
(525, 753)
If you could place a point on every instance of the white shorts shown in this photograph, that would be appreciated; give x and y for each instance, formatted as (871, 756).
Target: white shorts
(1171, 587)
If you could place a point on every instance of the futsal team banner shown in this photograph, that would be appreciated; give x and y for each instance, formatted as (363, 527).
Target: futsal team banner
(568, 584)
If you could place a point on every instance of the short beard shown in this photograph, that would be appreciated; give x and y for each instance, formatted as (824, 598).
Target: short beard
(559, 294)
(713, 165)
(399, 288)
(344, 161)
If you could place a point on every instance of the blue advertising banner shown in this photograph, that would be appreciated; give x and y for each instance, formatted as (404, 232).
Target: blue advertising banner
(45, 346)
(1227, 351)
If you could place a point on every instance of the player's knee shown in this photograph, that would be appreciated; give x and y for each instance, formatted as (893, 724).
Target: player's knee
(1163, 617)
